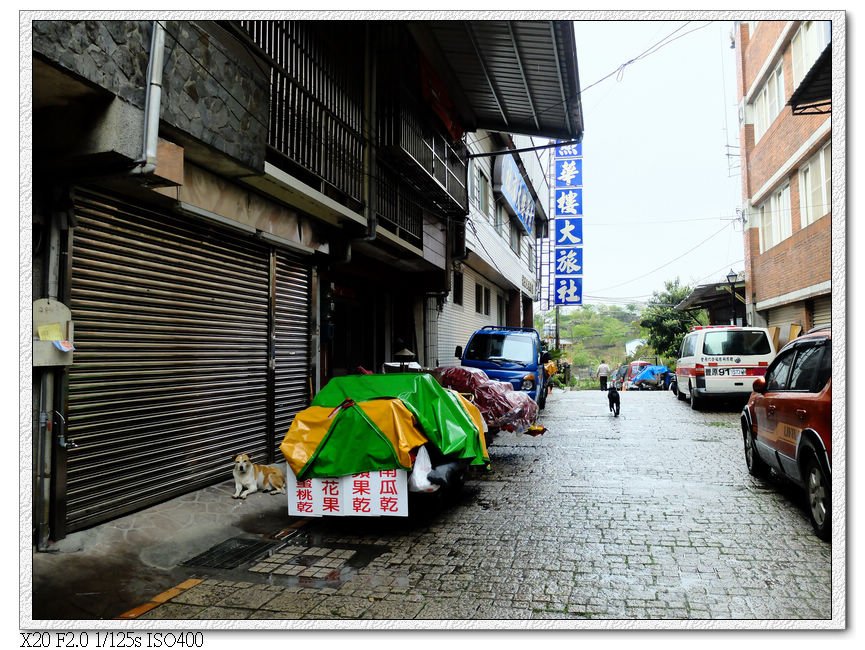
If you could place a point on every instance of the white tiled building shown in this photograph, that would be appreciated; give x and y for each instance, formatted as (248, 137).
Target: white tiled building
(495, 283)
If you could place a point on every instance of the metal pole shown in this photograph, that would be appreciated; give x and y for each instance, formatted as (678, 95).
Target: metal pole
(557, 327)
(732, 305)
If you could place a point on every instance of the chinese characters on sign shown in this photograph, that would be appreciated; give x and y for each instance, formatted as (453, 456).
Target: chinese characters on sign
(379, 493)
(567, 262)
(518, 198)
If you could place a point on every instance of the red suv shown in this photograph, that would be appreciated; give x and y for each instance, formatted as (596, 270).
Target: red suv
(787, 423)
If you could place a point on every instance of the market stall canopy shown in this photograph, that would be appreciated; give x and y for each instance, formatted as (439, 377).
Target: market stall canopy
(508, 76)
(361, 423)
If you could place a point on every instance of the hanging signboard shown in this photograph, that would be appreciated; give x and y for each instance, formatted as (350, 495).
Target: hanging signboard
(519, 201)
(567, 263)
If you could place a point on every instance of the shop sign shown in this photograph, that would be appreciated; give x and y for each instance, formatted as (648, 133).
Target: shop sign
(367, 494)
(567, 263)
(518, 199)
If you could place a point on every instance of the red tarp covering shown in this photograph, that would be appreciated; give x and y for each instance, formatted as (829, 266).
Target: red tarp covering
(500, 405)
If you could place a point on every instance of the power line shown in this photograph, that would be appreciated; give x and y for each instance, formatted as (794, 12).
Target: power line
(692, 249)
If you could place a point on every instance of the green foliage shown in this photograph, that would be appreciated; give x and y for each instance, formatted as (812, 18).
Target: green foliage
(666, 326)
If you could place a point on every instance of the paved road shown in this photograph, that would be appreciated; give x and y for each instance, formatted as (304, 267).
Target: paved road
(651, 515)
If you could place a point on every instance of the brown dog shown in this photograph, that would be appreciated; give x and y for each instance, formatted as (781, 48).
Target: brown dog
(249, 478)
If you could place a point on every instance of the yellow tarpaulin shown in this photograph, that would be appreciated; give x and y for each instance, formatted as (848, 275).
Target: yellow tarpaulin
(311, 425)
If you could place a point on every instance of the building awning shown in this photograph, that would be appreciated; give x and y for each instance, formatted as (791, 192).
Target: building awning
(715, 299)
(507, 76)
(710, 296)
(814, 94)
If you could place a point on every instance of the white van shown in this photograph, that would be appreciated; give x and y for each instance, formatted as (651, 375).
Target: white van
(721, 361)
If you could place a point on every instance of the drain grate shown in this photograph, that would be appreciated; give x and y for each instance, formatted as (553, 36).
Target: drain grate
(232, 553)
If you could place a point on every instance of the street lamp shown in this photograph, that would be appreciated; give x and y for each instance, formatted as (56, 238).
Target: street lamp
(732, 276)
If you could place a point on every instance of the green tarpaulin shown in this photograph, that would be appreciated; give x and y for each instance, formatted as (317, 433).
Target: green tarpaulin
(361, 423)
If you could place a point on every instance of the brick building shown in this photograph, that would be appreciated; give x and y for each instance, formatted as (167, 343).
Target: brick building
(784, 95)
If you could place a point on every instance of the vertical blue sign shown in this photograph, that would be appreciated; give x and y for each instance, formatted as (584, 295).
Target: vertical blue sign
(567, 284)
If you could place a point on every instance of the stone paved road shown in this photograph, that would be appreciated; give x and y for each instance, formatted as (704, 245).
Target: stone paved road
(651, 515)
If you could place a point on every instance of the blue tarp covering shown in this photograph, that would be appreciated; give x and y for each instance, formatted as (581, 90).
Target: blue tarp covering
(650, 373)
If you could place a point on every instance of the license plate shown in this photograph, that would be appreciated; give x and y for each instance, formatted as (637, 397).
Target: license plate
(726, 372)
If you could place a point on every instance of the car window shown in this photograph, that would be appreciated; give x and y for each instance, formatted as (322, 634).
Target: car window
(501, 346)
(776, 376)
(825, 370)
(736, 342)
(688, 345)
(803, 375)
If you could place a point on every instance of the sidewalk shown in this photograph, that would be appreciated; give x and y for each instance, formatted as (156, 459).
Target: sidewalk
(114, 568)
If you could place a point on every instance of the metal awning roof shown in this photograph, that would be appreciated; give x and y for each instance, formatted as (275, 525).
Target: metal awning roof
(508, 76)
(814, 94)
(709, 296)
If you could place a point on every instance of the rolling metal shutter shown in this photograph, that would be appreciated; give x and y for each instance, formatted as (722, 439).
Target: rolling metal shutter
(291, 344)
(821, 311)
(170, 378)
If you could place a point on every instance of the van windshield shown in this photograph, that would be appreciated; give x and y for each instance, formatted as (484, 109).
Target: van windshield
(501, 348)
(741, 343)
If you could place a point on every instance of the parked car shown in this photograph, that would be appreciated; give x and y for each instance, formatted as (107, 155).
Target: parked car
(721, 362)
(787, 423)
(618, 377)
(632, 370)
(512, 354)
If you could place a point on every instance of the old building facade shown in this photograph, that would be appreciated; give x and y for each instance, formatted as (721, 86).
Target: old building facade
(226, 214)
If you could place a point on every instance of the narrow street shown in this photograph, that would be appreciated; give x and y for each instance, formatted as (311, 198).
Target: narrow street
(651, 515)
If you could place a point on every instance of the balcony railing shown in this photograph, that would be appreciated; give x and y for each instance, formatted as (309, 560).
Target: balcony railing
(410, 142)
(316, 99)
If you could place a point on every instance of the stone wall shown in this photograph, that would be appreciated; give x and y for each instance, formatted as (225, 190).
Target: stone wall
(210, 95)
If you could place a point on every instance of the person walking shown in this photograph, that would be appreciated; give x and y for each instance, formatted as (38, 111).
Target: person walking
(603, 374)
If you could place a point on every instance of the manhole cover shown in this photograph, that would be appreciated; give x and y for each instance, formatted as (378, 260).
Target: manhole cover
(232, 553)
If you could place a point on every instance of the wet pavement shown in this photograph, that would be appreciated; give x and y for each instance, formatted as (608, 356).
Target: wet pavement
(650, 516)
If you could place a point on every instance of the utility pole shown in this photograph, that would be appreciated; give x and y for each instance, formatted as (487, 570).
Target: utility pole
(557, 327)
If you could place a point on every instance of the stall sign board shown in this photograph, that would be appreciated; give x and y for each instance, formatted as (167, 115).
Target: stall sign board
(367, 494)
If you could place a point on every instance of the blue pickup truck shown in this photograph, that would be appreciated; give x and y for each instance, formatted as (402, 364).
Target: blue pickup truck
(511, 354)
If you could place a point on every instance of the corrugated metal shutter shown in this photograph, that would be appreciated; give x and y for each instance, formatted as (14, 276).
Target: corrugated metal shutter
(821, 311)
(291, 354)
(170, 373)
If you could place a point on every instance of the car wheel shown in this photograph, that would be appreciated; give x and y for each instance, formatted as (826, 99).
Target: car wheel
(695, 401)
(818, 489)
(756, 466)
(542, 399)
(680, 395)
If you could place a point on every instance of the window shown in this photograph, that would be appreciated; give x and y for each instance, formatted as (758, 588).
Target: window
(482, 192)
(515, 237)
(486, 301)
(775, 220)
(808, 43)
(768, 102)
(501, 221)
(458, 288)
(479, 299)
(803, 377)
(776, 376)
(815, 186)
(689, 346)
(511, 347)
(736, 343)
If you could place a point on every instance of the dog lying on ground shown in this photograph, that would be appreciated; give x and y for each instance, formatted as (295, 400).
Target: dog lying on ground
(613, 399)
(249, 478)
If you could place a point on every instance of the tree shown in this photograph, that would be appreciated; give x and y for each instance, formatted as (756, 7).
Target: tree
(666, 326)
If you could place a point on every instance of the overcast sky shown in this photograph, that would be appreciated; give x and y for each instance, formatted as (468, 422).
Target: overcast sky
(660, 193)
